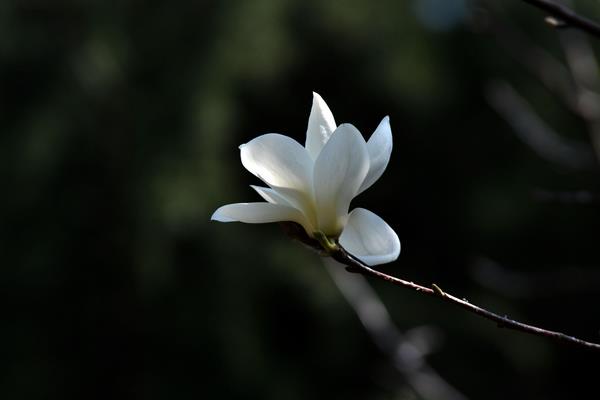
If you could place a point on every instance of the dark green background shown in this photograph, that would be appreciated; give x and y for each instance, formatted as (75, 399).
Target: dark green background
(119, 127)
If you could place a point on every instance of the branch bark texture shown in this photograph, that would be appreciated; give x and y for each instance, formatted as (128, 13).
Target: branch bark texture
(567, 16)
(407, 357)
(355, 265)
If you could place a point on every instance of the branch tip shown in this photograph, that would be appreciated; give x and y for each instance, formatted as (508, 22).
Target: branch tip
(565, 17)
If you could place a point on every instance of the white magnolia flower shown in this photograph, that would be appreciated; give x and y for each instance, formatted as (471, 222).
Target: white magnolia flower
(314, 185)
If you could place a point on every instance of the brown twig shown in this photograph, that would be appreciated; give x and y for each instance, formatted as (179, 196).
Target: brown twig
(565, 16)
(355, 265)
(539, 62)
(406, 356)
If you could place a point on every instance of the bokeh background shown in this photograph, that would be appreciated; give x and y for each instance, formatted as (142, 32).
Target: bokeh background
(119, 127)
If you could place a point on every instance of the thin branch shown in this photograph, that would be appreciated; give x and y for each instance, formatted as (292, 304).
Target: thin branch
(577, 86)
(539, 62)
(407, 357)
(565, 16)
(355, 265)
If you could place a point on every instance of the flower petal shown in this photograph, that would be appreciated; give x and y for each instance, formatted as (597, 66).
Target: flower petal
(339, 171)
(380, 149)
(257, 213)
(270, 195)
(292, 198)
(278, 161)
(369, 238)
(321, 125)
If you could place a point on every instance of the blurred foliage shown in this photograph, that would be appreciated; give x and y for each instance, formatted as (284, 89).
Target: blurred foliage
(119, 126)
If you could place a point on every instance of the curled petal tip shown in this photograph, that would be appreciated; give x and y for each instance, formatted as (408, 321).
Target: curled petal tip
(317, 99)
(380, 149)
(347, 125)
(219, 217)
(321, 125)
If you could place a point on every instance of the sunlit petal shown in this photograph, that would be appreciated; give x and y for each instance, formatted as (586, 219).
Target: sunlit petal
(369, 238)
(321, 125)
(339, 171)
(380, 149)
(271, 195)
(257, 213)
(278, 161)
(292, 198)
